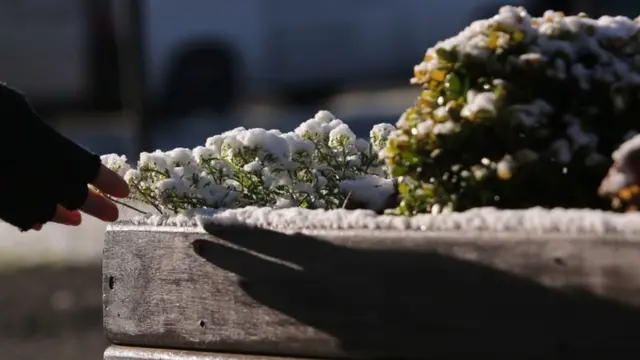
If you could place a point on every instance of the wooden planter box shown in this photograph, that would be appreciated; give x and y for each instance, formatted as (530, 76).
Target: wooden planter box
(395, 294)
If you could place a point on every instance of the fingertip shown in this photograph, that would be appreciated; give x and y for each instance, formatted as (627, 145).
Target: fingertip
(75, 218)
(66, 217)
(124, 189)
(112, 214)
(100, 207)
(124, 192)
(111, 183)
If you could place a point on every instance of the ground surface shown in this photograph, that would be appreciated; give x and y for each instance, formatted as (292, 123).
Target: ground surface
(53, 314)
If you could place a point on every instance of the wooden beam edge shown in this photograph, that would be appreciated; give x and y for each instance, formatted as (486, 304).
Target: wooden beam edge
(118, 352)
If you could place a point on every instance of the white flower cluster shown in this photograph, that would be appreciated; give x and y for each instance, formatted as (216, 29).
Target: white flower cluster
(589, 52)
(321, 164)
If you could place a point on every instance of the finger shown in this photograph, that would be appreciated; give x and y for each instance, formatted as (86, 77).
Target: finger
(37, 227)
(111, 183)
(100, 207)
(67, 217)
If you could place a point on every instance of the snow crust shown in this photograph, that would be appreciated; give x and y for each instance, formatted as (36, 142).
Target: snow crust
(492, 220)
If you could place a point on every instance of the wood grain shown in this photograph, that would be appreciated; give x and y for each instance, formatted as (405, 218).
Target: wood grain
(373, 294)
(115, 352)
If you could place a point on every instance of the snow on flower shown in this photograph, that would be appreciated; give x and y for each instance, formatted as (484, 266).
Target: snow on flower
(379, 135)
(321, 164)
(342, 137)
(625, 169)
(371, 190)
(117, 163)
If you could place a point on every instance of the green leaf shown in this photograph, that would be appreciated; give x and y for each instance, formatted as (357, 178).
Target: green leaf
(449, 56)
(453, 84)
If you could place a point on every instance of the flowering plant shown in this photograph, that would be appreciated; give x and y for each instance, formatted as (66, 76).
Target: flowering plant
(321, 164)
(518, 111)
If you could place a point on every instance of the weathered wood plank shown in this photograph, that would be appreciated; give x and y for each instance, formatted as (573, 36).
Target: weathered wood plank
(364, 294)
(116, 352)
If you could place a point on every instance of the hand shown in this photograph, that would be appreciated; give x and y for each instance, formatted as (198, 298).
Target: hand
(96, 205)
(48, 179)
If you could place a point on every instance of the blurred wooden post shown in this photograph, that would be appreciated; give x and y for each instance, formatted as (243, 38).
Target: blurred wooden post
(132, 65)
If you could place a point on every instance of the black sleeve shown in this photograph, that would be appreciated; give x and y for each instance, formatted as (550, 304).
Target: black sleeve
(42, 168)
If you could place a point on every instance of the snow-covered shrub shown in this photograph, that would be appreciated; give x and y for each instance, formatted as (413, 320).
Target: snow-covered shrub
(518, 111)
(319, 165)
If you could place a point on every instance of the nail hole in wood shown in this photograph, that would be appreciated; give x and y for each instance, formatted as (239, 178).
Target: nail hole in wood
(559, 261)
(111, 282)
(202, 323)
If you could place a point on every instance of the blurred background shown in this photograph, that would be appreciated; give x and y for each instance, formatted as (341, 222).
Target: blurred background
(126, 76)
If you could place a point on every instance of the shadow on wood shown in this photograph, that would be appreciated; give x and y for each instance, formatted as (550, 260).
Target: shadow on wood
(300, 295)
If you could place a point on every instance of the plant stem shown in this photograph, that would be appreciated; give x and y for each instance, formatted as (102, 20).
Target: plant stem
(126, 205)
